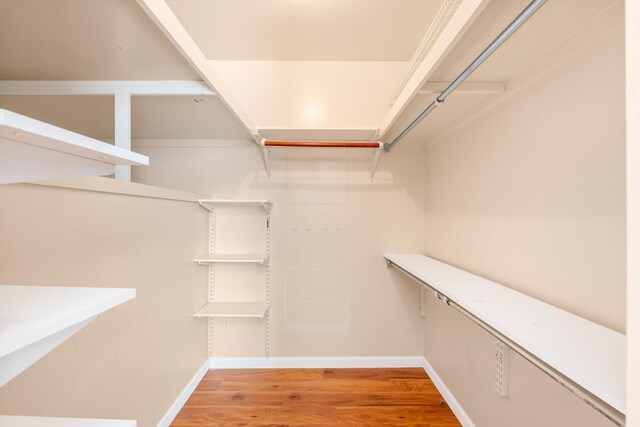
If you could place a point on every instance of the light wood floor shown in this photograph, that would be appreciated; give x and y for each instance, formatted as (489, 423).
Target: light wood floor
(316, 397)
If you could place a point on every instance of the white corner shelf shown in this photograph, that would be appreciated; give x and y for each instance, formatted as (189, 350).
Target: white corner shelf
(319, 134)
(209, 204)
(588, 354)
(31, 150)
(36, 319)
(24, 421)
(208, 259)
(221, 309)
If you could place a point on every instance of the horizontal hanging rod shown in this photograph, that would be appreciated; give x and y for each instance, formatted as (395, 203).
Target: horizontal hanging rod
(495, 44)
(595, 402)
(322, 144)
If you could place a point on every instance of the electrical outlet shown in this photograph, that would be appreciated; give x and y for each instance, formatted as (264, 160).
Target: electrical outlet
(503, 356)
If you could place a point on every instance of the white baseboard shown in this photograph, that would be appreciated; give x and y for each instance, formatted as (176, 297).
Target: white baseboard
(315, 362)
(447, 395)
(175, 407)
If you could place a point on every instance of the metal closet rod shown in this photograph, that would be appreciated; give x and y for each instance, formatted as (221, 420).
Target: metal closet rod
(585, 395)
(495, 44)
(322, 144)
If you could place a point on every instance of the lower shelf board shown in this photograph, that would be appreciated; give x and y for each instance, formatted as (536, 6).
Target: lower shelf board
(232, 309)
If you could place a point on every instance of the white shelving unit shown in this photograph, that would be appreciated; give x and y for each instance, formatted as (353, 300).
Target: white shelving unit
(250, 310)
(317, 134)
(208, 259)
(210, 204)
(587, 354)
(36, 319)
(20, 421)
(237, 309)
(31, 150)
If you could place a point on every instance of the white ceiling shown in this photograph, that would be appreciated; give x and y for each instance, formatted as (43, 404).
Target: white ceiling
(85, 40)
(307, 30)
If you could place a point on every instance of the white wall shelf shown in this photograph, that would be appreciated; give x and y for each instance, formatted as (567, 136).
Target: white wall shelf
(221, 309)
(36, 319)
(589, 355)
(215, 309)
(31, 150)
(208, 204)
(208, 259)
(318, 134)
(23, 421)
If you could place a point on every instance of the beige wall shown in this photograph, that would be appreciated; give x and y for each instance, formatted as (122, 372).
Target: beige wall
(331, 292)
(463, 354)
(531, 194)
(133, 361)
(632, 62)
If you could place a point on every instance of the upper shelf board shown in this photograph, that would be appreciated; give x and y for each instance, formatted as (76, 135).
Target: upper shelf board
(209, 204)
(36, 319)
(315, 135)
(25, 421)
(587, 353)
(31, 150)
(208, 259)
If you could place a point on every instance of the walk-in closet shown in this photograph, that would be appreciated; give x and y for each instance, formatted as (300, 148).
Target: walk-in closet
(319, 213)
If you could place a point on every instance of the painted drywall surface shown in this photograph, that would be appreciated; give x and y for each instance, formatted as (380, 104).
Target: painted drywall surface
(132, 362)
(313, 94)
(531, 194)
(632, 62)
(67, 40)
(463, 354)
(331, 292)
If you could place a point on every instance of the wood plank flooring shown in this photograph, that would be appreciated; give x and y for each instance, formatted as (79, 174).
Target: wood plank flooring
(316, 397)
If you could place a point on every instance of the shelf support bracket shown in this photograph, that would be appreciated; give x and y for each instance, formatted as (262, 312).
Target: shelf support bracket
(122, 102)
(265, 155)
(376, 159)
